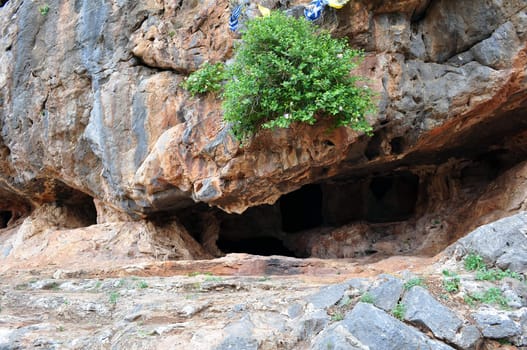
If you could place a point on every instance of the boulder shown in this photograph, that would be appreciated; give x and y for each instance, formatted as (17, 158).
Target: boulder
(378, 330)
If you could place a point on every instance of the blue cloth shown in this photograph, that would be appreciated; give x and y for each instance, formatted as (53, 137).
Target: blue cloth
(234, 19)
(314, 10)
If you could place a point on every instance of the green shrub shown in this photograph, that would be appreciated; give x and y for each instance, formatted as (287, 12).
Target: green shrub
(142, 284)
(208, 78)
(286, 70)
(114, 296)
(496, 274)
(43, 10)
(367, 298)
(474, 262)
(450, 281)
(491, 296)
(417, 281)
(338, 316)
(399, 311)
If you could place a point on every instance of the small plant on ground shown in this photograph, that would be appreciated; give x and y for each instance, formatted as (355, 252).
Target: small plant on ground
(399, 311)
(213, 279)
(417, 281)
(367, 298)
(208, 78)
(450, 281)
(346, 301)
(142, 284)
(496, 274)
(474, 262)
(114, 296)
(43, 10)
(491, 296)
(338, 316)
(287, 70)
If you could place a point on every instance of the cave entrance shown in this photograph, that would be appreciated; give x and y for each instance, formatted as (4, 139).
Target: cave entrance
(302, 209)
(5, 216)
(392, 198)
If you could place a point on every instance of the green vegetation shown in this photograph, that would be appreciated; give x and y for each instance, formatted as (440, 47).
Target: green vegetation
(286, 70)
(213, 279)
(417, 281)
(496, 274)
(367, 298)
(43, 10)
(114, 296)
(208, 78)
(142, 284)
(474, 262)
(450, 281)
(338, 316)
(491, 296)
(399, 311)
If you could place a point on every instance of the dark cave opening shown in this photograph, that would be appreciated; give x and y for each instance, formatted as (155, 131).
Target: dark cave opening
(368, 216)
(80, 206)
(5, 216)
(302, 209)
(392, 197)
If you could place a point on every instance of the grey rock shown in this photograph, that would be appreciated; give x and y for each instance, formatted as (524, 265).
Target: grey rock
(468, 338)
(515, 260)
(386, 292)
(503, 242)
(378, 330)
(362, 284)
(513, 300)
(239, 336)
(423, 310)
(336, 337)
(496, 325)
(311, 324)
(496, 51)
(521, 317)
(236, 343)
(294, 310)
(242, 328)
(327, 296)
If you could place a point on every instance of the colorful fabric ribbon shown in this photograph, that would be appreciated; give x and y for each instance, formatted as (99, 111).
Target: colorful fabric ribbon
(313, 11)
(234, 19)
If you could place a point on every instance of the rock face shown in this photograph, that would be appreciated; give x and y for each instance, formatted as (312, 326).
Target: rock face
(91, 109)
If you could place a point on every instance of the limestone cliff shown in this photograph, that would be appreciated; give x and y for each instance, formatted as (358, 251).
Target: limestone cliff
(91, 111)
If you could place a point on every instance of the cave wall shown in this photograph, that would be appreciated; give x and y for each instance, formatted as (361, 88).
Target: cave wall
(91, 108)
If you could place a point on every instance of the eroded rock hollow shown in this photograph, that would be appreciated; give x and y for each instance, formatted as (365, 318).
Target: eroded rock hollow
(97, 131)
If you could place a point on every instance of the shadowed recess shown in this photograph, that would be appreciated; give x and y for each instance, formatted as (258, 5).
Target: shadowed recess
(5, 216)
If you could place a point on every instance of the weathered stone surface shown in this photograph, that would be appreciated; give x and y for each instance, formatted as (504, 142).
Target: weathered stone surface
(378, 330)
(327, 296)
(311, 324)
(423, 310)
(468, 338)
(503, 242)
(83, 87)
(495, 324)
(386, 292)
(336, 337)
